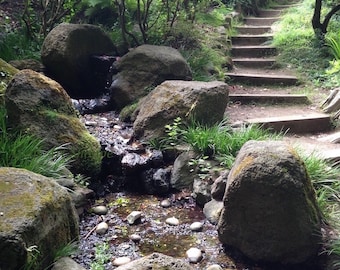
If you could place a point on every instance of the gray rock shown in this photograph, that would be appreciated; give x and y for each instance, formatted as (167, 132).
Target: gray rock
(165, 203)
(146, 67)
(66, 53)
(219, 185)
(156, 261)
(214, 267)
(194, 255)
(99, 210)
(66, 263)
(205, 101)
(270, 212)
(181, 175)
(39, 106)
(172, 221)
(36, 212)
(135, 237)
(201, 191)
(133, 217)
(196, 226)
(212, 211)
(121, 261)
(102, 228)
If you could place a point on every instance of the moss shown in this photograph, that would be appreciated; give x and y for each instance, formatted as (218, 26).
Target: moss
(6, 74)
(244, 163)
(6, 186)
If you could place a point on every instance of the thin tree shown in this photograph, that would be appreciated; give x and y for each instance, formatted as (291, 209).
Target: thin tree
(320, 28)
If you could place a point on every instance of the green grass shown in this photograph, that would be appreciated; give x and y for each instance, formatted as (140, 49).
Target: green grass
(21, 150)
(16, 46)
(295, 39)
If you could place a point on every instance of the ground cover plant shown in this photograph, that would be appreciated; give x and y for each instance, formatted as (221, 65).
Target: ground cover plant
(21, 150)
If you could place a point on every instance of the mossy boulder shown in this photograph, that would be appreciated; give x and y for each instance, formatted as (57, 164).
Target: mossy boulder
(270, 212)
(40, 106)
(37, 218)
(6, 74)
(204, 101)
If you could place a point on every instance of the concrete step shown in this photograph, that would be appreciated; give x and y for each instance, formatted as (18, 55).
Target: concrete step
(260, 63)
(262, 78)
(269, 98)
(297, 124)
(256, 21)
(269, 12)
(253, 51)
(251, 39)
(253, 30)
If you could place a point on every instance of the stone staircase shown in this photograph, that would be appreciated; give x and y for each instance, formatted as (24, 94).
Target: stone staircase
(255, 67)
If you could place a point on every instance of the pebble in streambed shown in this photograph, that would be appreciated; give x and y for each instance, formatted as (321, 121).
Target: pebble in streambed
(194, 255)
(172, 221)
(102, 228)
(100, 210)
(196, 226)
(133, 217)
(121, 261)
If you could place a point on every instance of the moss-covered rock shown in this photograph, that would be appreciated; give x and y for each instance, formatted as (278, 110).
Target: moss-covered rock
(37, 218)
(40, 106)
(6, 74)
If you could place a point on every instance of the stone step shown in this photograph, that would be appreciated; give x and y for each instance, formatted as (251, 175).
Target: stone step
(262, 78)
(251, 39)
(253, 30)
(253, 51)
(269, 98)
(260, 63)
(297, 124)
(256, 21)
(269, 12)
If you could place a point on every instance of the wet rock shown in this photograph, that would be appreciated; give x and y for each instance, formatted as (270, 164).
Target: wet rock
(156, 261)
(66, 263)
(202, 190)
(121, 261)
(219, 185)
(181, 175)
(172, 221)
(156, 181)
(102, 228)
(100, 210)
(135, 237)
(133, 217)
(196, 226)
(165, 203)
(212, 211)
(194, 255)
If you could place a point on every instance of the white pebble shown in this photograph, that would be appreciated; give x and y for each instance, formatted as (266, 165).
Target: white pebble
(214, 267)
(194, 255)
(121, 261)
(172, 221)
(135, 237)
(196, 226)
(102, 228)
(166, 203)
(133, 217)
(99, 210)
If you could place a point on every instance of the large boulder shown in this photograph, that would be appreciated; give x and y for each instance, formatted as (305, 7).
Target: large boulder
(37, 219)
(204, 101)
(156, 261)
(66, 54)
(142, 69)
(270, 212)
(39, 106)
(7, 72)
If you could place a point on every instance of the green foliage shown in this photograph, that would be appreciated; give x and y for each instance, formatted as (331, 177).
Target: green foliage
(25, 151)
(17, 45)
(295, 39)
(333, 42)
(219, 142)
(102, 256)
